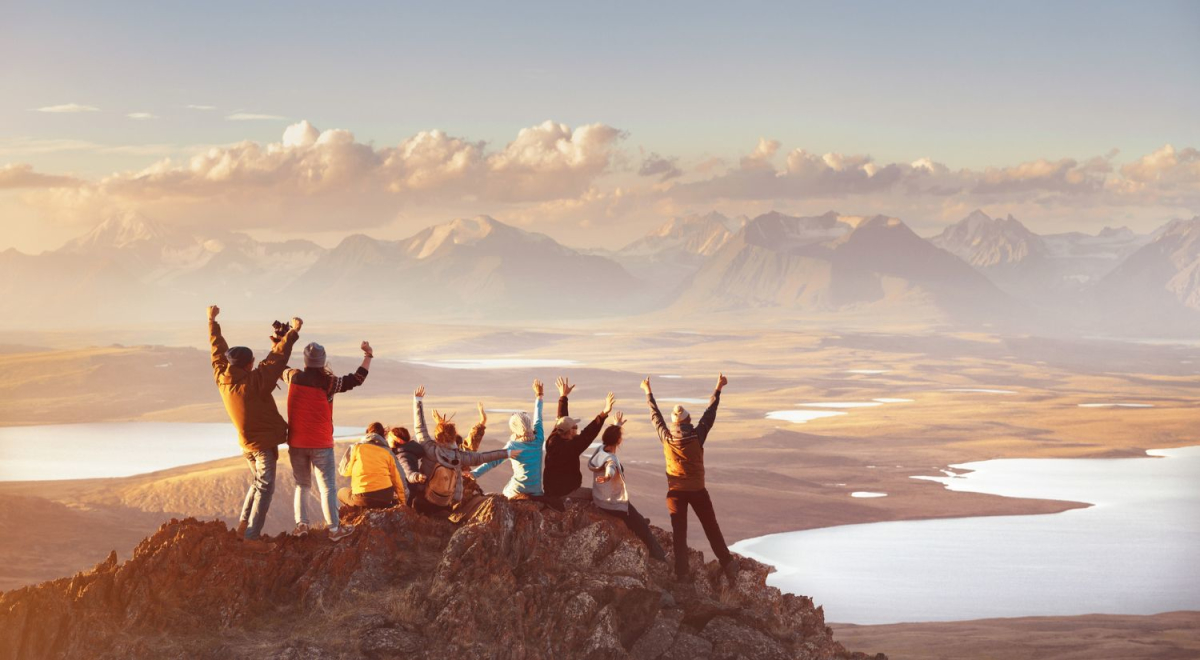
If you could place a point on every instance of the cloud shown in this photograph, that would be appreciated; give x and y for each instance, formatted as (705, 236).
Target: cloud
(69, 107)
(20, 175)
(200, 107)
(663, 168)
(311, 175)
(1167, 174)
(141, 115)
(254, 116)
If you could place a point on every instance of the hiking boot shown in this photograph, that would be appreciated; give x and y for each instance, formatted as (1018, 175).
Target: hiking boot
(730, 569)
(301, 529)
(258, 545)
(339, 533)
(241, 529)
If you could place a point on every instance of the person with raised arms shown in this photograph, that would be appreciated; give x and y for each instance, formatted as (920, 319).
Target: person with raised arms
(441, 475)
(683, 448)
(609, 492)
(310, 432)
(566, 443)
(247, 392)
(528, 438)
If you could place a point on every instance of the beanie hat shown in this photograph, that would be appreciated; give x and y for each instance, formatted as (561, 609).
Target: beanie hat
(566, 423)
(521, 426)
(680, 415)
(314, 355)
(240, 356)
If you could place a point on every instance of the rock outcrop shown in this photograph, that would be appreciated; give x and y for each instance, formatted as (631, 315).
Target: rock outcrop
(513, 581)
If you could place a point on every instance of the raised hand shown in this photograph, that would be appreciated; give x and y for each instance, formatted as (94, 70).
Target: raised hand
(296, 323)
(367, 350)
(608, 403)
(564, 386)
(537, 387)
(722, 381)
(619, 418)
(419, 392)
(213, 310)
(482, 414)
(646, 385)
(439, 418)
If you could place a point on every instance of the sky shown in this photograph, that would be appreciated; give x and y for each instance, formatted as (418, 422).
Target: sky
(593, 123)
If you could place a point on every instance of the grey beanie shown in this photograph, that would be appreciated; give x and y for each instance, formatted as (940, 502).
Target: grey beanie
(314, 355)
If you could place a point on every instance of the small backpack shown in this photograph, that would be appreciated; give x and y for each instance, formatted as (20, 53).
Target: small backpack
(442, 484)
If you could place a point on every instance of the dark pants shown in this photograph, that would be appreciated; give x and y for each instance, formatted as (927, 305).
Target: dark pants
(374, 499)
(641, 527)
(677, 503)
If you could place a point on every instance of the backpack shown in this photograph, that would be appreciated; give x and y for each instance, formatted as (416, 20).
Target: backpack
(440, 488)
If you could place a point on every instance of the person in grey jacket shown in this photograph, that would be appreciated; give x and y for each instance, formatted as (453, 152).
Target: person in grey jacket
(443, 462)
(608, 488)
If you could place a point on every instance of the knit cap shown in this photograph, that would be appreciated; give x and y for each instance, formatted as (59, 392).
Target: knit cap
(521, 426)
(240, 356)
(314, 355)
(680, 415)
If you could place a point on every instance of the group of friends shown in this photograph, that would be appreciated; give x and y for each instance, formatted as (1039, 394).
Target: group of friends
(436, 474)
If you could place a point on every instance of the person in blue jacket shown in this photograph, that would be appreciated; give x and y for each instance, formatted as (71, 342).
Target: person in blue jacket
(527, 435)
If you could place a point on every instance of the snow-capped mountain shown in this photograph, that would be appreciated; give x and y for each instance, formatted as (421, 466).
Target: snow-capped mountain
(1051, 270)
(986, 242)
(1158, 284)
(676, 249)
(832, 262)
(467, 268)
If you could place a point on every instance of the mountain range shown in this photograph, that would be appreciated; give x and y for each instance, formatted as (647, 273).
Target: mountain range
(978, 270)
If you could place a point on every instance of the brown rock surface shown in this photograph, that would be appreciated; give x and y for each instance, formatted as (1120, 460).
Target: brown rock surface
(514, 582)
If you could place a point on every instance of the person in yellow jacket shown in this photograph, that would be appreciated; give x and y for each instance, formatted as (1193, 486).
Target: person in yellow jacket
(375, 482)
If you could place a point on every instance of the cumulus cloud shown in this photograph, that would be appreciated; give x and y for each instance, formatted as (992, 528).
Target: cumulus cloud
(310, 176)
(21, 175)
(69, 107)
(663, 168)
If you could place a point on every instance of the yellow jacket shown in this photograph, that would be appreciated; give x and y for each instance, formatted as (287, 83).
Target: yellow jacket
(371, 466)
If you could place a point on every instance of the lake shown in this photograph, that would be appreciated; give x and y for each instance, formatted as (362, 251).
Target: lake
(1135, 551)
(119, 449)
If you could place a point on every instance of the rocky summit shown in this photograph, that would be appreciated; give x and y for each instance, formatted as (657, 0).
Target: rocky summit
(514, 581)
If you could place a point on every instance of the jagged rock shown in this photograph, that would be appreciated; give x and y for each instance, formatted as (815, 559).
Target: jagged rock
(514, 581)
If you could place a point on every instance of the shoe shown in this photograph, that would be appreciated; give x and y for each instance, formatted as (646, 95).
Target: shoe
(241, 529)
(301, 529)
(730, 568)
(341, 532)
(258, 545)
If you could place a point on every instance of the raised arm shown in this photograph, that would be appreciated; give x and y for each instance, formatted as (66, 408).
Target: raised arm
(564, 390)
(710, 414)
(660, 425)
(588, 435)
(219, 347)
(353, 380)
(539, 434)
(476, 436)
(268, 372)
(484, 459)
(419, 426)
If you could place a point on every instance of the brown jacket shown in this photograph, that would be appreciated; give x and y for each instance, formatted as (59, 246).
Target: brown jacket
(249, 395)
(683, 445)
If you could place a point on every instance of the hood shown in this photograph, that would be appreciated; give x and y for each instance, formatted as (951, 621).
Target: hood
(596, 462)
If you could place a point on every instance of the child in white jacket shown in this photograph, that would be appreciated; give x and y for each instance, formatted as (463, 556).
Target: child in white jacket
(608, 488)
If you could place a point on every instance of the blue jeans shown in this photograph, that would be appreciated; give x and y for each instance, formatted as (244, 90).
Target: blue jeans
(258, 498)
(303, 461)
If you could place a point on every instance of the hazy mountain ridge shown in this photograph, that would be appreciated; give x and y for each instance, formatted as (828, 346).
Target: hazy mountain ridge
(131, 268)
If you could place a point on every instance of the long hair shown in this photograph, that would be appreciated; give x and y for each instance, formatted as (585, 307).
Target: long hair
(376, 428)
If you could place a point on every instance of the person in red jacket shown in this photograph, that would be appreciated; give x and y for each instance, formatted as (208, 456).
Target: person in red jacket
(310, 432)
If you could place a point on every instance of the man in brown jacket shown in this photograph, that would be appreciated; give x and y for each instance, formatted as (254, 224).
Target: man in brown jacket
(683, 447)
(248, 394)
